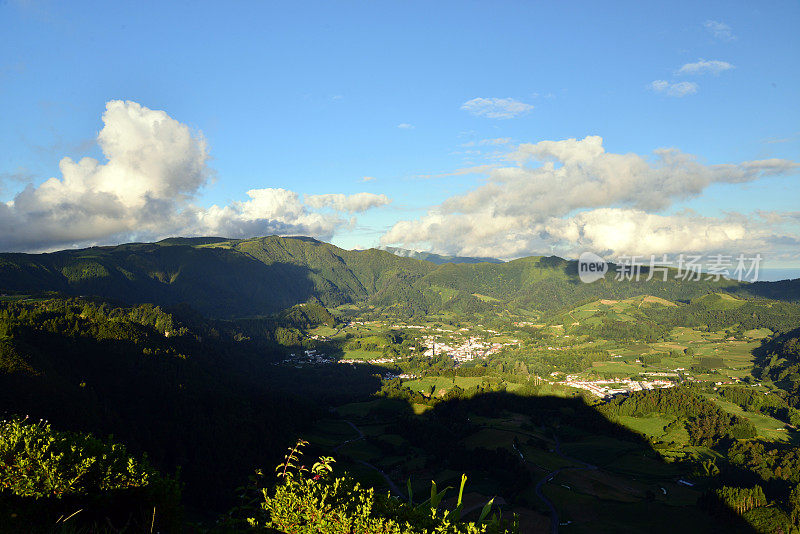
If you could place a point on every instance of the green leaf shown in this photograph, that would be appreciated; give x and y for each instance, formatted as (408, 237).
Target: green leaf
(461, 489)
(485, 511)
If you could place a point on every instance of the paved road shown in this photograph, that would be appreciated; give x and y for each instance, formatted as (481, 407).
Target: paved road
(547, 502)
(554, 520)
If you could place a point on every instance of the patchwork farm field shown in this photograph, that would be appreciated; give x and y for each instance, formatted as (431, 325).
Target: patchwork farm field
(686, 349)
(359, 354)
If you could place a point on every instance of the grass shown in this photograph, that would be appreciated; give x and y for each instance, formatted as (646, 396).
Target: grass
(682, 334)
(624, 310)
(598, 450)
(361, 450)
(544, 458)
(359, 354)
(394, 439)
(635, 349)
(442, 383)
(356, 410)
(677, 435)
(759, 333)
(420, 409)
(652, 425)
(643, 467)
(601, 484)
(766, 426)
(330, 432)
(324, 330)
(554, 390)
(490, 438)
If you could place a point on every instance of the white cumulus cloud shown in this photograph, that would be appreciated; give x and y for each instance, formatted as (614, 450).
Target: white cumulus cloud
(268, 211)
(628, 232)
(703, 66)
(678, 89)
(154, 163)
(496, 108)
(155, 166)
(547, 198)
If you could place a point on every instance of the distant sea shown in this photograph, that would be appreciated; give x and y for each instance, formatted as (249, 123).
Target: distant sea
(773, 275)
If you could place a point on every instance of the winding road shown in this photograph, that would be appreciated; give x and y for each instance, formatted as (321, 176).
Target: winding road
(554, 520)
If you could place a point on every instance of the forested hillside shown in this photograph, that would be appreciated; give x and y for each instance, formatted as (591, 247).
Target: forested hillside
(779, 360)
(191, 393)
(237, 278)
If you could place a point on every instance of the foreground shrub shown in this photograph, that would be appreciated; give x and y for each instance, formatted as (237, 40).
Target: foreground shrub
(312, 500)
(49, 479)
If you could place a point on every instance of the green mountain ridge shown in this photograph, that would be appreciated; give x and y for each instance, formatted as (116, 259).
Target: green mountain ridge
(226, 278)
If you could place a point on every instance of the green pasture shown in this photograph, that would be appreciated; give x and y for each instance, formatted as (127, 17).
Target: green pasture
(323, 330)
(330, 432)
(490, 438)
(598, 450)
(652, 425)
(759, 333)
(356, 410)
(420, 409)
(683, 335)
(443, 383)
(600, 484)
(767, 427)
(634, 349)
(361, 450)
(544, 459)
(359, 354)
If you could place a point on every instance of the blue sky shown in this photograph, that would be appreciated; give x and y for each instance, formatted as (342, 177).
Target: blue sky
(310, 97)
